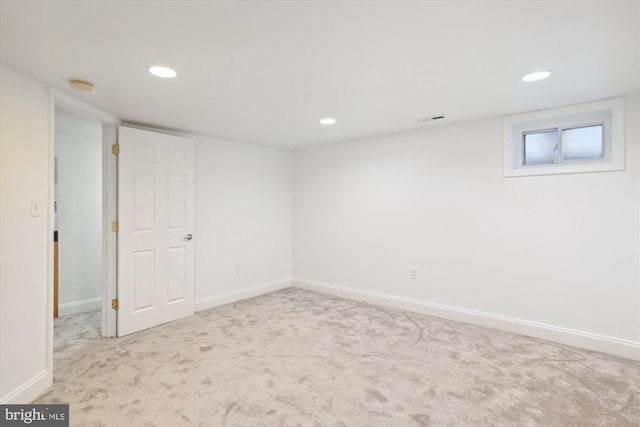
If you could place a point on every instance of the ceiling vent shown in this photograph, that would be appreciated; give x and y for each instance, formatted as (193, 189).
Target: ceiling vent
(430, 119)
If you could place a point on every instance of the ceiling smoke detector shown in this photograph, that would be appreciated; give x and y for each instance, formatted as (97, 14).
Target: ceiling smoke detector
(80, 85)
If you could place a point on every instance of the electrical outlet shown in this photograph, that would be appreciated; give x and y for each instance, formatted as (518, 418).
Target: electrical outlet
(414, 274)
(273, 263)
(237, 268)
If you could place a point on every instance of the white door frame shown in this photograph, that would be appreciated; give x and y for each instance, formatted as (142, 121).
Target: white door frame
(109, 204)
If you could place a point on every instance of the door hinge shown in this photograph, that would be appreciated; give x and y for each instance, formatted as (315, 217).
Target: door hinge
(115, 226)
(115, 149)
(115, 304)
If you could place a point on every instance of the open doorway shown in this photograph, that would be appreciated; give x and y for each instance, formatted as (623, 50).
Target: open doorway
(69, 114)
(78, 219)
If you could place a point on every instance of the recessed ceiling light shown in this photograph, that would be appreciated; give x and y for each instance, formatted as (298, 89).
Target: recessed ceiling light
(164, 72)
(328, 121)
(538, 75)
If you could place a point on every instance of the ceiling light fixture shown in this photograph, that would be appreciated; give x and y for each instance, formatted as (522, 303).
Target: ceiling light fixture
(164, 72)
(80, 85)
(538, 75)
(328, 121)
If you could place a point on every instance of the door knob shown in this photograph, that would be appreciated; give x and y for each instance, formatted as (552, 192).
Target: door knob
(188, 237)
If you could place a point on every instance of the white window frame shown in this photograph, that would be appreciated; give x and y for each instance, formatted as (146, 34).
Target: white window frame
(610, 113)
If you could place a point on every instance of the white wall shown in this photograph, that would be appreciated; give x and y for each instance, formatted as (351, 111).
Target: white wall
(25, 242)
(243, 216)
(80, 222)
(560, 251)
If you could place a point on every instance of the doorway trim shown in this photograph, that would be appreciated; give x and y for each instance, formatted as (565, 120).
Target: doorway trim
(109, 204)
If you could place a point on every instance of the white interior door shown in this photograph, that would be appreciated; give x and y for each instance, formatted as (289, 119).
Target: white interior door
(156, 217)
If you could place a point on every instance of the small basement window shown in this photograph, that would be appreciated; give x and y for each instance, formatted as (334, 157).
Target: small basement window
(585, 138)
(541, 147)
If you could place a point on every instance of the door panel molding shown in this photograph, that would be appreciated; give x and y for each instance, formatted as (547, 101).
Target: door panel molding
(155, 211)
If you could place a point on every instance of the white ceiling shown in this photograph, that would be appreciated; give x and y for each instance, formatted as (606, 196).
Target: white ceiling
(265, 72)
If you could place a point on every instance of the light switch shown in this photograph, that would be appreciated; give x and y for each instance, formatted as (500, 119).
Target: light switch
(35, 208)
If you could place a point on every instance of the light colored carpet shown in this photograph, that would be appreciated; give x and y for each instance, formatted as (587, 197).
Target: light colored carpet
(299, 358)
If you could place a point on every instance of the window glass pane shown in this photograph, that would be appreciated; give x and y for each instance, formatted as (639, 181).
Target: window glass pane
(583, 143)
(540, 148)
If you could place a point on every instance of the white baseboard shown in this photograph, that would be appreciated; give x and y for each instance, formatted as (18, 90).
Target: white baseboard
(29, 391)
(92, 304)
(586, 340)
(240, 294)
